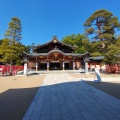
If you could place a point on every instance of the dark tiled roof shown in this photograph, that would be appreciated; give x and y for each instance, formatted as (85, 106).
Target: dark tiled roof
(54, 38)
(96, 58)
(59, 51)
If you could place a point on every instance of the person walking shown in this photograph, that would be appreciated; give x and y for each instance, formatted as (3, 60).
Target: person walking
(97, 78)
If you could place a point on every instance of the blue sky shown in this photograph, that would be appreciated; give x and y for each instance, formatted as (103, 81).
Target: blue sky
(41, 19)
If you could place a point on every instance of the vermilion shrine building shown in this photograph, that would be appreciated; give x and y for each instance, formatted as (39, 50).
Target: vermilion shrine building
(55, 55)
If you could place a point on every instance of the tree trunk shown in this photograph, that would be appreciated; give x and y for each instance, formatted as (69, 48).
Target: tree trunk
(11, 67)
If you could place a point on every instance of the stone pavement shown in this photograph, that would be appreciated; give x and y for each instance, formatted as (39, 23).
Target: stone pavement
(62, 97)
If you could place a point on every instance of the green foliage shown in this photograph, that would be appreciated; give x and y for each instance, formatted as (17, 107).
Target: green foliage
(10, 47)
(80, 50)
(73, 39)
(95, 54)
(86, 44)
(14, 29)
(28, 49)
(102, 25)
(0, 42)
(118, 42)
(94, 46)
(110, 58)
(76, 41)
(10, 51)
(113, 51)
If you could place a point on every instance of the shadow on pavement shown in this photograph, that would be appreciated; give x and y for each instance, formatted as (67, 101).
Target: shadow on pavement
(15, 102)
(107, 87)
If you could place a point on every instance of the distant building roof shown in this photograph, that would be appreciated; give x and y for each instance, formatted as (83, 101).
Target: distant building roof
(54, 40)
(97, 58)
(56, 50)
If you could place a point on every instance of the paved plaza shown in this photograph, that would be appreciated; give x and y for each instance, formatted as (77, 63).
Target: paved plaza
(62, 97)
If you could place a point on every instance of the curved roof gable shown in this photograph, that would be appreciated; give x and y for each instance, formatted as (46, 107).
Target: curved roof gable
(54, 40)
(56, 50)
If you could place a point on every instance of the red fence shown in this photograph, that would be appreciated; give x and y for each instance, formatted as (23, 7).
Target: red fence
(115, 68)
(5, 69)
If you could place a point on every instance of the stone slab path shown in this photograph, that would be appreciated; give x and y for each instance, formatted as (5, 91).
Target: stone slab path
(62, 97)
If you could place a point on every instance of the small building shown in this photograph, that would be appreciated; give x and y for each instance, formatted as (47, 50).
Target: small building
(97, 62)
(56, 55)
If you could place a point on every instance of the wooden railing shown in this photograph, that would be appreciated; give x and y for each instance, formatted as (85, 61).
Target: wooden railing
(114, 68)
(5, 69)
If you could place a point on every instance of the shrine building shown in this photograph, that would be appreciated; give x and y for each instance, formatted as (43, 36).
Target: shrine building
(55, 55)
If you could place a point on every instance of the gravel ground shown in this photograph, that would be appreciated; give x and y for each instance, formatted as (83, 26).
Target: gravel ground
(16, 94)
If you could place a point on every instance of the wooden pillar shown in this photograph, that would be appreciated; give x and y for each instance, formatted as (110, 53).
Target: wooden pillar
(73, 65)
(80, 64)
(36, 66)
(25, 68)
(69, 64)
(39, 65)
(25, 65)
(63, 65)
(48, 65)
(86, 67)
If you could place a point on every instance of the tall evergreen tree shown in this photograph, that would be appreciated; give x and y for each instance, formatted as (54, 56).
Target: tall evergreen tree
(11, 46)
(102, 25)
(14, 30)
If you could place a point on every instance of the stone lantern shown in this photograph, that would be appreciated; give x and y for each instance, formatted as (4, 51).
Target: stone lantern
(25, 61)
(86, 60)
(25, 64)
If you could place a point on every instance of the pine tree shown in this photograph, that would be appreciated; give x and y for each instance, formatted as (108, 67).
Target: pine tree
(11, 43)
(14, 30)
(102, 25)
